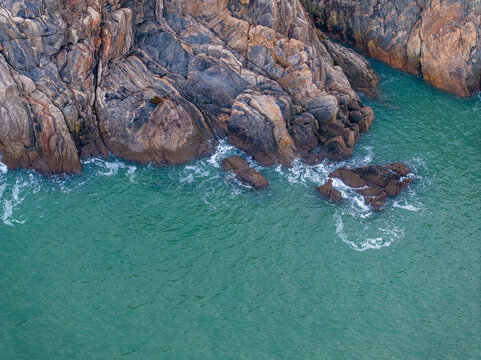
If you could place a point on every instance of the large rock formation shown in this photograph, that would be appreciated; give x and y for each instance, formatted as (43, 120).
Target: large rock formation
(162, 80)
(440, 39)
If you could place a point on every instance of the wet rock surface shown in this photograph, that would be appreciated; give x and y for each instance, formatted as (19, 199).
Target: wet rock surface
(440, 40)
(374, 182)
(328, 191)
(161, 81)
(244, 173)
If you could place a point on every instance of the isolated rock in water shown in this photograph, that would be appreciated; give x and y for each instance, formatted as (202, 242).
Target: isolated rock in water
(244, 173)
(329, 192)
(439, 39)
(374, 182)
(162, 81)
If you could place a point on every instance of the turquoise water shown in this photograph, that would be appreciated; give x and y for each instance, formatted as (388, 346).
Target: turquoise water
(132, 262)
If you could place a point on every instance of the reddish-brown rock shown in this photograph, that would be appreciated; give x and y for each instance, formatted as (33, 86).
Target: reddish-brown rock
(374, 182)
(329, 192)
(244, 173)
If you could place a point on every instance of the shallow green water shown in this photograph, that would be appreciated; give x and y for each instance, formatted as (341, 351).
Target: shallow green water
(131, 262)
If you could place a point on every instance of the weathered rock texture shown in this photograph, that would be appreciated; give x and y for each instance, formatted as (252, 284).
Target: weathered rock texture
(440, 39)
(244, 173)
(374, 182)
(162, 80)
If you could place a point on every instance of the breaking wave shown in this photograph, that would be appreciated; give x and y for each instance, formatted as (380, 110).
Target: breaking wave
(3, 168)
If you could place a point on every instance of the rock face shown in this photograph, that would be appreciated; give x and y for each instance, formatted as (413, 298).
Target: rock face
(357, 69)
(162, 80)
(143, 118)
(374, 182)
(244, 173)
(440, 39)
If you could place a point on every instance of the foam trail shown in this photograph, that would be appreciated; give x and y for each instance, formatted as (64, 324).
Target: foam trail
(202, 169)
(9, 205)
(7, 212)
(189, 179)
(302, 173)
(111, 168)
(405, 207)
(370, 243)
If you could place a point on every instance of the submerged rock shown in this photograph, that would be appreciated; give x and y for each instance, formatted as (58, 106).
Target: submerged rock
(374, 182)
(244, 173)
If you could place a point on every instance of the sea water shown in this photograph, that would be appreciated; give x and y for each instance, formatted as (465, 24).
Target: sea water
(140, 262)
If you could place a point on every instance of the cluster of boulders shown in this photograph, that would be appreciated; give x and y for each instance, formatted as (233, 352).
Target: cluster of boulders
(374, 182)
(438, 39)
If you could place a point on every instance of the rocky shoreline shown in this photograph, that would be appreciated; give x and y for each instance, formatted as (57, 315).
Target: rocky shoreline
(162, 81)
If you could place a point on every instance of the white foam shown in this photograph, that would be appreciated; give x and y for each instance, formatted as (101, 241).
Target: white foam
(198, 170)
(374, 244)
(192, 172)
(361, 241)
(302, 173)
(366, 160)
(10, 204)
(111, 168)
(189, 179)
(405, 207)
(3, 168)
(7, 212)
(220, 153)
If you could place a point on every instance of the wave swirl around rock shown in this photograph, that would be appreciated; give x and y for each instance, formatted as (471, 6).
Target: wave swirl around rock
(375, 183)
